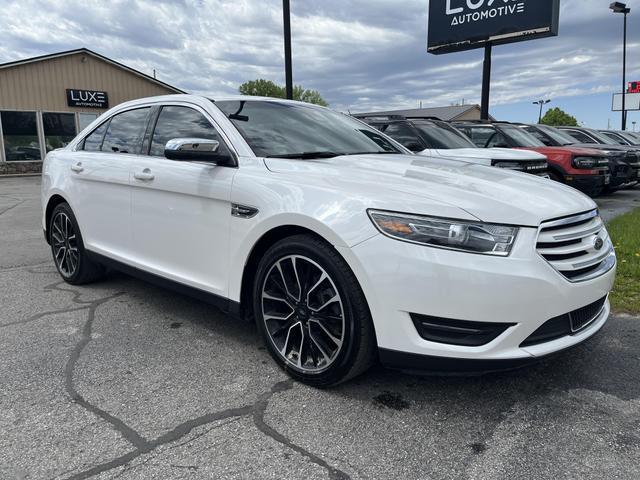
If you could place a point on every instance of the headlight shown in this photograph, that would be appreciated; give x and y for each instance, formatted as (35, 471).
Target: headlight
(472, 237)
(585, 162)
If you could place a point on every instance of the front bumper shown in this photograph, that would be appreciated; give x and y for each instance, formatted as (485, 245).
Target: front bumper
(400, 278)
(589, 184)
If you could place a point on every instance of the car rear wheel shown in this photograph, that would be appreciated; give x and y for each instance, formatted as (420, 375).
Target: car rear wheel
(312, 313)
(67, 247)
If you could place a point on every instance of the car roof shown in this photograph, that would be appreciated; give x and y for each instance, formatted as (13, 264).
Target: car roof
(207, 98)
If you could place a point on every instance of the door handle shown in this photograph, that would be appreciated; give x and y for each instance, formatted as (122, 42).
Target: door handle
(145, 175)
(77, 167)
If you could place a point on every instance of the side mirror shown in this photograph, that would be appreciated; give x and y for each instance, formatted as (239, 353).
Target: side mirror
(198, 149)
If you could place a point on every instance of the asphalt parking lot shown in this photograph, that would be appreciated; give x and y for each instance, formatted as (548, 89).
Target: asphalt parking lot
(122, 379)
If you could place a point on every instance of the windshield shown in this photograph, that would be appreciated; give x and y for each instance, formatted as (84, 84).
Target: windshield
(521, 137)
(295, 130)
(629, 137)
(600, 137)
(615, 138)
(440, 135)
(557, 135)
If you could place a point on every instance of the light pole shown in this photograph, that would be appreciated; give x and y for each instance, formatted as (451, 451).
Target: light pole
(286, 13)
(619, 7)
(541, 103)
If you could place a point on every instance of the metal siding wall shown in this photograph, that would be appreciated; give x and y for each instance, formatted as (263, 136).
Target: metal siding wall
(41, 85)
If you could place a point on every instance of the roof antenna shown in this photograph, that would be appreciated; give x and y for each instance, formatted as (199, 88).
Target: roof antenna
(154, 73)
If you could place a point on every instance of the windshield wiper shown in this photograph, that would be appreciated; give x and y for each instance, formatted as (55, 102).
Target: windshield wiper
(375, 153)
(307, 155)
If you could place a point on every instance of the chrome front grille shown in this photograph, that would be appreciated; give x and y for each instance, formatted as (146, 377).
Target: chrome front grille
(578, 247)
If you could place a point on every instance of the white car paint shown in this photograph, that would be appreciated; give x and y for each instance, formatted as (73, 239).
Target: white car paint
(486, 156)
(178, 226)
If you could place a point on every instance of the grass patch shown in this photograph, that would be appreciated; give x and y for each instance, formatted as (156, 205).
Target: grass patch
(625, 234)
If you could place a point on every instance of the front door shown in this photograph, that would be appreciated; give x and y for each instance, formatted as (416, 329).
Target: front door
(181, 210)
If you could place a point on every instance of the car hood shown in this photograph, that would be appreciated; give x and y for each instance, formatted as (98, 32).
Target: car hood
(415, 184)
(613, 148)
(571, 149)
(486, 155)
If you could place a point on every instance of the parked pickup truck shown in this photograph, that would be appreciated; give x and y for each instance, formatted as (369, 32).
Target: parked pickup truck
(433, 137)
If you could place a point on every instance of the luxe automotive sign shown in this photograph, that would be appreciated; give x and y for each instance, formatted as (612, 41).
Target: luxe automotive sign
(456, 25)
(87, 98)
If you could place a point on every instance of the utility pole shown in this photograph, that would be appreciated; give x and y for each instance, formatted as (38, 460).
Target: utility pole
(286, 12)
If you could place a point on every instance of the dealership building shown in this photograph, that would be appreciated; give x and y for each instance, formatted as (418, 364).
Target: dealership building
(45, 101)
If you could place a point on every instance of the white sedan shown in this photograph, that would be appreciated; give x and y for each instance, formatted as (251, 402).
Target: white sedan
(342, 246)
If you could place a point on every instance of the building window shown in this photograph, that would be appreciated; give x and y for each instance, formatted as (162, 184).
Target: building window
(59, 129)
(84, 119)
(20, 135)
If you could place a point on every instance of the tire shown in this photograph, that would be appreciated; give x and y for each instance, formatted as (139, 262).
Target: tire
(555, 177)
(311, 312)
(67, 248)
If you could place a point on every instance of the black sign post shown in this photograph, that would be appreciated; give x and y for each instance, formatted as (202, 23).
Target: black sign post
(458, 25)
(286, 13)
(87, 98)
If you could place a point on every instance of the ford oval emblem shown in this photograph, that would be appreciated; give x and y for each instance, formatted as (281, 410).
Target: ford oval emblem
(598, 244)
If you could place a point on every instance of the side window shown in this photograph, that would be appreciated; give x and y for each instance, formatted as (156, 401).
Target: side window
(481, 135)
(581, 137)
(539, 135)
(93, 142)
(181, 122)
(498, 140)
(126, 131)
(404, 135)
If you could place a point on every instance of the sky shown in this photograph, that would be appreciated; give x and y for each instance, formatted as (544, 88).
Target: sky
(362, 55)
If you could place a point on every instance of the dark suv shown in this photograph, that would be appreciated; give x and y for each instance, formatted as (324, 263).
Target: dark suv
(626, 171)
(584, 169)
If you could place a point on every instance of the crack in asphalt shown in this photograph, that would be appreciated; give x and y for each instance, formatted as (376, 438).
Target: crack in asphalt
(142, 445)
(12, 207)
(13, 268)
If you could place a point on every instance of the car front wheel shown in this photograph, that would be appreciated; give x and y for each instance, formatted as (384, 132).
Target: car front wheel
(312, 313)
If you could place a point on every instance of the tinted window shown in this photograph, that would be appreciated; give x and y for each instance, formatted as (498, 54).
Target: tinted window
(275, 128)
(579, 136)
(181, 122)
(480, 136)
(443, 136)
(93, 142)
(520, 137)
(539, 135)
(125, 131)
(405, 135)
(558, 136)
(20, 134)
(59, 129)
(618, 140)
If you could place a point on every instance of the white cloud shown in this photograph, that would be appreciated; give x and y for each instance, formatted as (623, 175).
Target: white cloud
(360, 54)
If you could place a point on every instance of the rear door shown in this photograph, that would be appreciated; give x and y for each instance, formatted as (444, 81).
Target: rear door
(99, 182)
(181, 210)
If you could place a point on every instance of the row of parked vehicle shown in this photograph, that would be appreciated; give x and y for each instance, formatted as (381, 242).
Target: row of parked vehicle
(591, 161)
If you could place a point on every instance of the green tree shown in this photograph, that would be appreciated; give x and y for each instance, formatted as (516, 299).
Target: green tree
(557, 117)
(267, 88)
